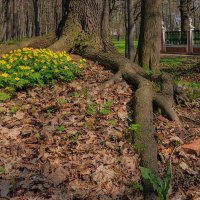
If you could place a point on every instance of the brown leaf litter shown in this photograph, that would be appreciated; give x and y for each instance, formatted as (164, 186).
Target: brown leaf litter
(62, 142)
(53, 148)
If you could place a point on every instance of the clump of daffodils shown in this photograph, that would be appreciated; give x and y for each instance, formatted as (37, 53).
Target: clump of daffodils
(29, 67)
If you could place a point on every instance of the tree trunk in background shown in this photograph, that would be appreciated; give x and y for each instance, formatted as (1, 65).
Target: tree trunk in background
(28, 18)
(150, 33)
(185, 8)
(170, 15)
(4, 19)
(130, 23)
(36, 17)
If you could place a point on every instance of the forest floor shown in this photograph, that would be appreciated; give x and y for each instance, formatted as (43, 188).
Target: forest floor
(73, 140)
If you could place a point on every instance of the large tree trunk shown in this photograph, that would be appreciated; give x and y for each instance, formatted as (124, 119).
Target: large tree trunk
(88, 22)
(85, 30)
(150, 33)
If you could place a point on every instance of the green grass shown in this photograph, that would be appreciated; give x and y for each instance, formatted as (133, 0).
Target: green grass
(172, 61)
(193, 89)
(120, 45)
(189, 84)
(165, 62)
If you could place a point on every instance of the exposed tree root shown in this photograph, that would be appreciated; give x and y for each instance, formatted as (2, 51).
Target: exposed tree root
(144, 141)
(36, 42)
(115, 79)
(42, 41)
(6, 48)
(166, 106)
(61, 45)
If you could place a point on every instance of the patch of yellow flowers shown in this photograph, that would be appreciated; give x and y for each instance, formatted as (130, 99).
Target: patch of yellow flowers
(5, 75)
(29, 67)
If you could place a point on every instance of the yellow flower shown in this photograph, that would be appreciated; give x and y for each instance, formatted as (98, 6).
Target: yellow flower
(80, 66)
(44, 67)
(66, 67)
(2, 62)
(68, 58)
(5, 75)
(24, 67)
(35, 53)
(17, 78)
(11, 60)
(83, 60)
(8, 67)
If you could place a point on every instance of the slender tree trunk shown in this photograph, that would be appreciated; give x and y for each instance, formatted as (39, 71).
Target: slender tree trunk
(185, 6)
(36, 17)
(150, 34)
(170, 14)
(129, 53)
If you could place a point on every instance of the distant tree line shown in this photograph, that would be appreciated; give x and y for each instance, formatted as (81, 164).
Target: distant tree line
(27, 18)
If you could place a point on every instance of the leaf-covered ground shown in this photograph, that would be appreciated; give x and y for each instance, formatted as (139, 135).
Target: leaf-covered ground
(71, 141)
(185, 166)
(65, 142)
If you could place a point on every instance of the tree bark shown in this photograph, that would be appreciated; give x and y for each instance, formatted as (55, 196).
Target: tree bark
(36, 20)
(129, 30)
(185, 7)
(150, 32)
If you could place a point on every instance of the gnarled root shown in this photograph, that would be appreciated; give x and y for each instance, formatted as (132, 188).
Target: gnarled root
(115, 79)
(61, 45)
(145, 96)
(144, 141)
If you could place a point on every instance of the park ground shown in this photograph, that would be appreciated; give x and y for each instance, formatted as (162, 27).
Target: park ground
(73, 140)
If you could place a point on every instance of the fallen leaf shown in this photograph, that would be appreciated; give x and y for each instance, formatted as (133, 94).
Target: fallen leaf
(59, 176)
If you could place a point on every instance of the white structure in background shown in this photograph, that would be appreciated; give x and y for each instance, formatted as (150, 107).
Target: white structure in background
(184, 43)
